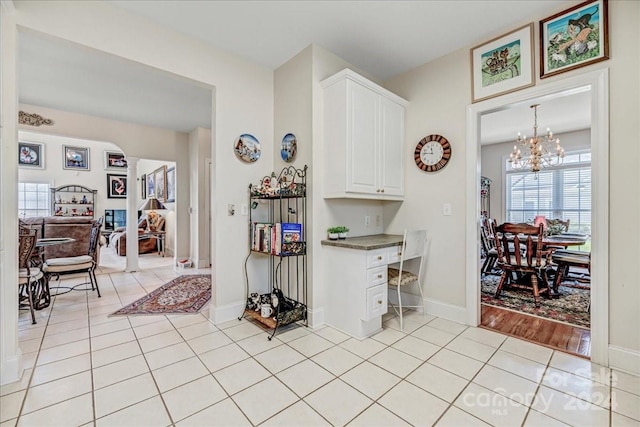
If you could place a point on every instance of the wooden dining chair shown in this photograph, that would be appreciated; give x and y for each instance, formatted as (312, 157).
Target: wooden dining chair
(565, 259)
(488, 245)
(28, 276)
(530, 268)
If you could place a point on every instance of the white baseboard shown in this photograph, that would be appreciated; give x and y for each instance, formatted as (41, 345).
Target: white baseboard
(11, 369)
(225, 313)
(624, 359)
(316, 317)
(433, 307)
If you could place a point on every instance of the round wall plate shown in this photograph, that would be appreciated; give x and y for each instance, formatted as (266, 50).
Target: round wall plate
(247, 148)
(432, 153)
(289, 148)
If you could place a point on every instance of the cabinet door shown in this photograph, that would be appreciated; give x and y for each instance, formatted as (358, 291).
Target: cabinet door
(391, 148)
(362, 155)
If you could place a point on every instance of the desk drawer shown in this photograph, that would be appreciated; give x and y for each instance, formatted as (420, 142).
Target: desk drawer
(376, 276)
(377, 258)
(376, 301)
(394, 253)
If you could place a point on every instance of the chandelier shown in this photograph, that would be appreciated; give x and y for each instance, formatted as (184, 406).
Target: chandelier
(540, 151)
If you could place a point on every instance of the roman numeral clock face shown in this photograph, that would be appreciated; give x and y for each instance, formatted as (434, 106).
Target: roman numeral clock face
(432, 153)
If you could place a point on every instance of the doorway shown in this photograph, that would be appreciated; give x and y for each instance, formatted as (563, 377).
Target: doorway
(596, 83)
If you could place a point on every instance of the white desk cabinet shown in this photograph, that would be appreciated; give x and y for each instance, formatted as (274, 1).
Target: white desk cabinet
(363, 139)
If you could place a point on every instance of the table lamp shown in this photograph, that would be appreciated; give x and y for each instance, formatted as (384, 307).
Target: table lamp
(152, 204)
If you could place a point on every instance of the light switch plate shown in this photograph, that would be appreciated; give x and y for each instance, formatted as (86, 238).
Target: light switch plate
(446, 209)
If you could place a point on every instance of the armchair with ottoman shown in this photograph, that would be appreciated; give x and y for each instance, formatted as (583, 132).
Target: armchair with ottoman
(151, 221)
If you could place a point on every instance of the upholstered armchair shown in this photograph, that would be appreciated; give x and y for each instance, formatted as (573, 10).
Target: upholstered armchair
(152, 222)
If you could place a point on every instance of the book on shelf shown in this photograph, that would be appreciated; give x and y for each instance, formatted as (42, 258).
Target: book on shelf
(277, 239)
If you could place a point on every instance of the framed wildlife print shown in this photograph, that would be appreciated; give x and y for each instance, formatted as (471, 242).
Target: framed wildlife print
(574, 38)
(76, 158)
(502, 65)
(30, 155)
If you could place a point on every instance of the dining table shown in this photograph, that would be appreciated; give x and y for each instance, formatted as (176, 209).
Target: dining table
(565, 239)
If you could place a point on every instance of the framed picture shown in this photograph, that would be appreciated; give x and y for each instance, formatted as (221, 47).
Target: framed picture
(115, 160)
(143, 186)
(31, 155)
(160, 177)
(573, 38)
(151, 186)
(502, 65)
(171, 185)
(116, 186)
(76, 158)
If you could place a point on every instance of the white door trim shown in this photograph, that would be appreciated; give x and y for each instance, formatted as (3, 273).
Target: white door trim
(597, 82)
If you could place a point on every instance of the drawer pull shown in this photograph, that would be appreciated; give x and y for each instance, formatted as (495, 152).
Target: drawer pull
(379, 301)
(379, 276)
(378, 190)
(379, 257)
(382, 191)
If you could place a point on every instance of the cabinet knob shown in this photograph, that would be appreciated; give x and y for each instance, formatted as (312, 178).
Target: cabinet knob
(379, 257)
(378, 190)
(379, 276)
(379, 301)
(382, 191)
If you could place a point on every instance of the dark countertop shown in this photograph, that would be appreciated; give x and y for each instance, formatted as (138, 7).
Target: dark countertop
(366, 243)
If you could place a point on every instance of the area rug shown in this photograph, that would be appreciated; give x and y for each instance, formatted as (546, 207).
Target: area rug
(184, 294)
(571, 306)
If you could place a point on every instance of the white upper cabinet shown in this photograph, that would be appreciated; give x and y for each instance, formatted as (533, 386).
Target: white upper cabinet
(363, 139)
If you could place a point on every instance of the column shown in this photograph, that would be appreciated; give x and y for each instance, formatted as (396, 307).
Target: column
(132, 214)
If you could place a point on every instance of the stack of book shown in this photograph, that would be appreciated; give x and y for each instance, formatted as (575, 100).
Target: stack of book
(281, 238)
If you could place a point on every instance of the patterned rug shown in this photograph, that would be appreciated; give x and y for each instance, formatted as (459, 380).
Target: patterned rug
(572, 306)
(184, 294)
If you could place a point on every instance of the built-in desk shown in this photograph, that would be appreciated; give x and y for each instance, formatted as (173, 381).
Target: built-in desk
(356, 281)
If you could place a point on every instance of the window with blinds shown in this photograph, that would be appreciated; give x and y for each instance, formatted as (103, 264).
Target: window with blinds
(33, 199)
(562, 192)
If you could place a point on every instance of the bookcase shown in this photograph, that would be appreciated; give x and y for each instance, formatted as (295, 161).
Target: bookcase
(73, 200)
(278, 231)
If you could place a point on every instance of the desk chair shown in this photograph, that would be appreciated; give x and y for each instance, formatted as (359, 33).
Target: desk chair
(28, 276)
(414, 245)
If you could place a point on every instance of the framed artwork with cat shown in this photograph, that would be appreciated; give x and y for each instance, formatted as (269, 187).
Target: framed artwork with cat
(502, 65)
(573, 38)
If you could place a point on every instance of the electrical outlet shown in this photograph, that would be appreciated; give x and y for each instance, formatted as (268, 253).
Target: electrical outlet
(446, 209)
(367, 220)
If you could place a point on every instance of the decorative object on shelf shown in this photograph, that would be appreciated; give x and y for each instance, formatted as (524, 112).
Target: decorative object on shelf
(503, 65)
(485, 194)
(333, 233)
(289, 148)
(116, 186)
(432, 153)
(573, 38)
(33, 119)
(143, 186)
(247, 148)
(160, 178)
(31, 155)
(76, 158)
(73, 200)
(171, 185)
(540, 151)
(115, 160)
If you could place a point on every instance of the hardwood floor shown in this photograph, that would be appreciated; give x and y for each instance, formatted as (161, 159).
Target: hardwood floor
(556, 335)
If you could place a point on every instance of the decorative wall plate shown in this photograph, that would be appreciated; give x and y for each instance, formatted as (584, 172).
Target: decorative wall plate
(247, 148)
(432, 153)
(289, 148)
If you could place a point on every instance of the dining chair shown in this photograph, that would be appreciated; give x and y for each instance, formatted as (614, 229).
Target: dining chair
(565, 259)
(414, 245)
(488, 245)
(78, 264)
(530, 266)
(28, 276)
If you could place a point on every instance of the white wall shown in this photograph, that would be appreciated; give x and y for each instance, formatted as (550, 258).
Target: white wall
(495, 155)
(199, 157)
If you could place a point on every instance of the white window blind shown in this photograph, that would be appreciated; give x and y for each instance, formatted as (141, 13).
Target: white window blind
(33, 199)
(562, 192)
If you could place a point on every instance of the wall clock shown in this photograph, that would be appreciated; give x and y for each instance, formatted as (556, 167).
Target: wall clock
(432, 153)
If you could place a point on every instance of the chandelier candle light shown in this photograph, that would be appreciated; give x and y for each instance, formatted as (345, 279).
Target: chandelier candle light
(540, 149)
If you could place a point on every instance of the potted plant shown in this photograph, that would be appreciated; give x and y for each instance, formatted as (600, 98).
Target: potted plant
(342, 232)
(334, 232)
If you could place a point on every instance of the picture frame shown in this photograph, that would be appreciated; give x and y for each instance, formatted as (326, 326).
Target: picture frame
(75, 158)
(151, 187)
(171, 185)
(114, 160)
(574, 38)
(116, 186)
(160, 178)
(503, 65)
(30, 155)
(143, 186)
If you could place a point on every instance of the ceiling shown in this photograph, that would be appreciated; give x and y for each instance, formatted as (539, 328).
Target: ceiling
(384, 38)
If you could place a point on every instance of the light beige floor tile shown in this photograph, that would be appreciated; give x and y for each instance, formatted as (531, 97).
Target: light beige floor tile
(305, 377)
(337, 402)
(484, 336)
(30, 334)
(525, 368)
(627, 382)
(13, 422)
(72, 412)
(538, 419)
(18, 385)
(440, 383)
(448, 326)
(65, 327)
(168, 355)
(279, 358)
(60, 369)
(109, 327)
(363, 348)
(376, 415)
(507, 384)
(222, 414)
(111, 339)
(179, 373)
(184, 320)
(388, 336)
(64, 351)
(197, 330)
(155, 342)
(337, 360)
(569, 409)
(582, 388)
(258, 343)
(119, 371)
(125, 393)
(253, 404)
(395, 361)
(416, 347)
(370, 380)
(154, 328)
(302, 413)
(310, 345)
(291, 332)
(10, 405)
(627, 404)
(618, 420)
(490, 407)
(580, 367)
(413, 404)
(407, 327)
(115, 353)
(528, 350)
(150, 412)
(208, 342)
(471, 349)
(241, 375)
(193, 397)
(455, 417)
(433, 335)
(456, 363)
(243, 330)
(57, 391)
(28, 346)
(222, 357)
(332, 335)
